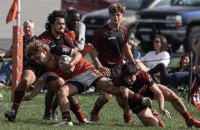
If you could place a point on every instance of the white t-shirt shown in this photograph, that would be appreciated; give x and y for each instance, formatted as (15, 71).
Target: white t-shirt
(151, 59)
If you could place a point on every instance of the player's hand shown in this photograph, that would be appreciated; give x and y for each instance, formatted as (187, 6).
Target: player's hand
(65, 66)
(27, 98)
(147, 102)
(165, 112)
(105, 71)
(52, 64)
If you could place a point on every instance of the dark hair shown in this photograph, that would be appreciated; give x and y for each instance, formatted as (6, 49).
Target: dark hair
(128, 69)
(52, 18)
(180, 62)
(117, 7)
(72, 12)
(163, 41)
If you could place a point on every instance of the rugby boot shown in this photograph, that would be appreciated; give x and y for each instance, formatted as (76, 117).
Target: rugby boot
(193, 122)
(94, 118)
(10, 115)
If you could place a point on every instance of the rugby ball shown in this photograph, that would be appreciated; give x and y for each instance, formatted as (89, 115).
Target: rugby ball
(66, 59)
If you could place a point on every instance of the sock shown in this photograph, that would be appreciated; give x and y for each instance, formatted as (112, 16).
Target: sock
(66, 116)
(18, 96)
(96, 109)
(75, 108)
(186, 115)
(48, 102)
(127, 118)
(55, 104)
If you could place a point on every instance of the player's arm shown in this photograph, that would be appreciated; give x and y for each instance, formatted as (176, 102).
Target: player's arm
(76, 57)
(81, 36)
(93, 54)
(38, 87)
(159, 96)
(128, 52)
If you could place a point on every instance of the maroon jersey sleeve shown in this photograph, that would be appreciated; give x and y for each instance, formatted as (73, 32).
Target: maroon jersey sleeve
(144, 77)
(125, 32)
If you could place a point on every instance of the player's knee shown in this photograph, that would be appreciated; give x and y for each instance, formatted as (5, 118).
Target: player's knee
(23, 84)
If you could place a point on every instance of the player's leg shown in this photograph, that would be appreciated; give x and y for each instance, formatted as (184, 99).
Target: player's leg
(100, 102)
(68, 89)
(127, 112)
(176, 102)
(28, 78)
(147, 118)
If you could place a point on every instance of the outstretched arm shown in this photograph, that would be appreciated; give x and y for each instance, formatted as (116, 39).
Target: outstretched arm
(159, 96)
(38, 87)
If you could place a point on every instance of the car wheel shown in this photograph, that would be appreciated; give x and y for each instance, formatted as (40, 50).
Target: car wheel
(192, 39)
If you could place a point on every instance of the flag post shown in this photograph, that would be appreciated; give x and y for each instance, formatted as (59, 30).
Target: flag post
(17, 53)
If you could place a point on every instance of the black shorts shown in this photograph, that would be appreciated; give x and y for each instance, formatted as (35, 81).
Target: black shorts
(80, 87)
(38, 70)
(52, 76)
(138, 107)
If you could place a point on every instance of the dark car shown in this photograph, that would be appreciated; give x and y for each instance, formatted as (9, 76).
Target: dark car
(86, 6)
(179, 22)
(99, 18)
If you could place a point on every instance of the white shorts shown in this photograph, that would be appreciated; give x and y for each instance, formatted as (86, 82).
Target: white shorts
(86, 78)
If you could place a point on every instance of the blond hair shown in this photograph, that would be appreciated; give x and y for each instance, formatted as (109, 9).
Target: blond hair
(34, 48)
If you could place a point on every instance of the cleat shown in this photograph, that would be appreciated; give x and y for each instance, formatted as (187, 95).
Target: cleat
(54, 116)
(47, 117)
(128, 119)
(160, 122)
(65, 122)
(94, 118)
(10, 115)
(85, 122)
(193, 122)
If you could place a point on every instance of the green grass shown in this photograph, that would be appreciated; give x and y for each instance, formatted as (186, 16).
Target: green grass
(30, 115)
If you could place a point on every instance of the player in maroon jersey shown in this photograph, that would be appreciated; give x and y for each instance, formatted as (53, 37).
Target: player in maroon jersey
(141, 82)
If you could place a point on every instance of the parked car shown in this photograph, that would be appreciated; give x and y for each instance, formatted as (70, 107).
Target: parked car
(86, 6)
(99, 18)
(179, 22)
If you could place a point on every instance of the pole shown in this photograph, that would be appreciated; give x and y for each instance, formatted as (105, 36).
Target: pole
(190, 76)
(18, 13)
(17, 53)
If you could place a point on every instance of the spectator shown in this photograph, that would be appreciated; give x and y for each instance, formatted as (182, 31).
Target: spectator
(29, 36)
(159, 55)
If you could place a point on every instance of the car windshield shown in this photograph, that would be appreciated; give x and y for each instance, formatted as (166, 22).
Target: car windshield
(186, 2)
(135, 4)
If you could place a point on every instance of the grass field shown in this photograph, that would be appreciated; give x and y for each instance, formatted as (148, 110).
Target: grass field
(30, 115)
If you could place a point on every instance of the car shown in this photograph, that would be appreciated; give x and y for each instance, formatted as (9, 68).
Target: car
(99, 18)
(86, 6)
(179, 23)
